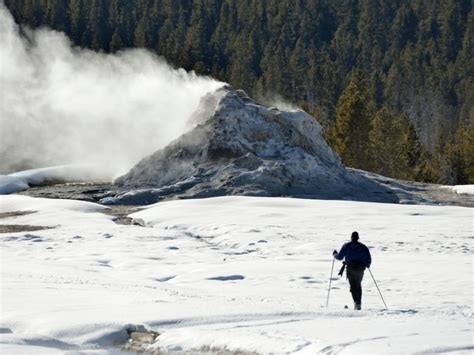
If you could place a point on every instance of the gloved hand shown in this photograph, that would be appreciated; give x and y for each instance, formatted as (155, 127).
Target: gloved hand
(341, 272)
(334, 253)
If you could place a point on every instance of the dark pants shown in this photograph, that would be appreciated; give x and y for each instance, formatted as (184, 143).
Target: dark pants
(355, 275)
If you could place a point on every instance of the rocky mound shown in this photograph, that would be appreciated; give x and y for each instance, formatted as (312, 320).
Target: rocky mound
(238, 147)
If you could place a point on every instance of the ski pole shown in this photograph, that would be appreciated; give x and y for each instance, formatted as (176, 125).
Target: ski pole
(330, 279)
(375, 282)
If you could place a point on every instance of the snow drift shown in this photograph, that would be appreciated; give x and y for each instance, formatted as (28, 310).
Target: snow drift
(463, 189)
(238, 147)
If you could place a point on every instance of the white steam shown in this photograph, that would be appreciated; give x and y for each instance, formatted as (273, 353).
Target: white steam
(278, 101)
(63, 105)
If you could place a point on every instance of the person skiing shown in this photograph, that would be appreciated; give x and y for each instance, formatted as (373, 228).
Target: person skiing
(356, 257)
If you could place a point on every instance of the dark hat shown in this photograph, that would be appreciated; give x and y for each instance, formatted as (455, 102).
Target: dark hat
(355, 236)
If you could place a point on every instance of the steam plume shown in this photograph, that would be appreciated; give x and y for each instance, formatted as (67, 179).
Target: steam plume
(62, 105)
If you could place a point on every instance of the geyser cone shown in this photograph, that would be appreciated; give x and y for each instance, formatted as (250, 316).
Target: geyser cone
(238, 147)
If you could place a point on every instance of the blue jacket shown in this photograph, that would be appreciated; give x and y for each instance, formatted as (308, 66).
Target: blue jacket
(355, 252)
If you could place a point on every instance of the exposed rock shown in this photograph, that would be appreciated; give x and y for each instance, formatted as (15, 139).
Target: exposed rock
(238, 147)
(143, 337)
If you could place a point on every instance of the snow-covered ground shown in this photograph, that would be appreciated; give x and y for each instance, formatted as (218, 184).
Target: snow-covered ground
(463, 189)
(234, 272)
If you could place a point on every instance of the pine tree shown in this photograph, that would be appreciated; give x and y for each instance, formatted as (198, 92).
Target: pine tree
(77, 18)
(455, 160)
(468, 152)
(414, 159)
(140, 33)
(242, 61)
(116, 42)
(96, 30)
(385, 144)
(33, 10)
(56, 12)
(196, 45)
(350, 134)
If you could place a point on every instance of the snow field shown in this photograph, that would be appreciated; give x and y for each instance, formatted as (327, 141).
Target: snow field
(237, 273)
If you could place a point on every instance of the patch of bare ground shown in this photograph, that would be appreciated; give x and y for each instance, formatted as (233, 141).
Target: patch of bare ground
(140, 342)
(16, 228)
(120, 214)
(411, 192)
(445, 196)
(84, 191)
(15, 214)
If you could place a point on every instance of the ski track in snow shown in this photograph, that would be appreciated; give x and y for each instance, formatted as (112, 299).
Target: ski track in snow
(234, 273)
